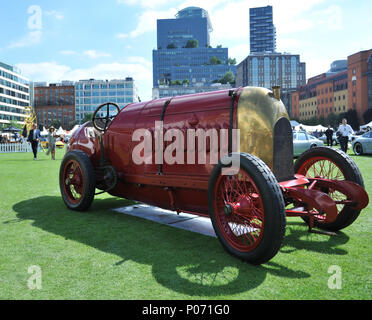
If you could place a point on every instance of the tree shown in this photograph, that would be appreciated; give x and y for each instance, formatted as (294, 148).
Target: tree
(192, 43)
(227, 78)
(352, 119)
(72, 124)
(367, 116)
(55, 123)
(232, 61)
(214, 60)
(171, 46)
(87, 117)
(13, 123)
(333, 120)
(186, 81)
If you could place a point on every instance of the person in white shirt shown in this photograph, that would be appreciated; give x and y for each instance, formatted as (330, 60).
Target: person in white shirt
(344, 131)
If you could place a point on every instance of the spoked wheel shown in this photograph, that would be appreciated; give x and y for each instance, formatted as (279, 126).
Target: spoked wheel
(77, 180)
(247, 210)
(328, 163)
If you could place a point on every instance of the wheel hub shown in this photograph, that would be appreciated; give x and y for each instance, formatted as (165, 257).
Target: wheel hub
(228, 209)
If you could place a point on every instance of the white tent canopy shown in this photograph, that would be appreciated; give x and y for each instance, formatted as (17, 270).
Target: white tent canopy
(44, 132)
(318, 128)
(60, 131)
(366, 125)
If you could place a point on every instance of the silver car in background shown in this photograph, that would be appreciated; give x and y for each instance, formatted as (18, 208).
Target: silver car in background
(303, 141)
(363, 144)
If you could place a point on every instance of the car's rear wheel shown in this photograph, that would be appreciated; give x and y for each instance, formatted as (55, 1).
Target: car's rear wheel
(77, 180)
(328, 163)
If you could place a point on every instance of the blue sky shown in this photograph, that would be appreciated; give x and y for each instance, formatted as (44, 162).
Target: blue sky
(80, 39)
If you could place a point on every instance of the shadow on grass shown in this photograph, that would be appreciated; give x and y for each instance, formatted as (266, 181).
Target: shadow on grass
(182, 261)
(298, 238)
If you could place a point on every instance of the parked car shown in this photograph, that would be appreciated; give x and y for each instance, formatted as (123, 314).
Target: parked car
(363, 144)
(247, 201)
(60, 145)
(334, 139)
(303, 141)
(44, 143)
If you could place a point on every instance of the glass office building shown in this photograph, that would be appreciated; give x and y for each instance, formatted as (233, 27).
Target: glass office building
(90, 94)
(273, 69)
(194, 64)
(14, 94)
(184, 54)
(262, 30)
(191, 23)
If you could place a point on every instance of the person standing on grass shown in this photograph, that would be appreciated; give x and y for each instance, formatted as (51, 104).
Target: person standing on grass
(329, 135)
(344, 130)
(51, 143)
(34, 138)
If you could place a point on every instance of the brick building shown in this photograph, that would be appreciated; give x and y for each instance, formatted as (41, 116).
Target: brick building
(360, 82)
(321, 96)
(55, 102)
(348, 85)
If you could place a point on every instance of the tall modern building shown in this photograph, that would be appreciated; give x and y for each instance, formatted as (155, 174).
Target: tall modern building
(191, 23)
(265, 67)
(90, 94)
(273, 69)
(184, 56)
(14, 94)
(262, 30)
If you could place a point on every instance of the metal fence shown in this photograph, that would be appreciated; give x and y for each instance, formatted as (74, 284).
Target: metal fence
(15, 147)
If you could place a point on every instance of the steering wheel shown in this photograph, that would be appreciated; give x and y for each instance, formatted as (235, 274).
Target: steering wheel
(104, 115)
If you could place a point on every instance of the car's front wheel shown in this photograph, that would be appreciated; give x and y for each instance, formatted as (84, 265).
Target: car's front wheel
(247, 209)
(77, 180)
(358, 149)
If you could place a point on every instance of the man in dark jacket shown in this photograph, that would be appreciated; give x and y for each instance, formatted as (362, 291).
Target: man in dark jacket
(34, 138)
(329, 135)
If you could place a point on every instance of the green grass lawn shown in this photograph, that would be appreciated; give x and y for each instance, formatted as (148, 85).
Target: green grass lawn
(102, 254)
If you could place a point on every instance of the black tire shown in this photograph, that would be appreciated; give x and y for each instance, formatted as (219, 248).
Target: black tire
(86, 174)
(274, 225)
(358, 149)
(347, 215)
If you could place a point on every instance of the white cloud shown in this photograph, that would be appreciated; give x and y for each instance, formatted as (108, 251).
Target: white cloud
(93, 54)
(32, 38)
(44, 71)
(56, 14)
(137, 67)
(121, 36)
(145, 3)
(68, 52)
(147, 21)
(34, 25)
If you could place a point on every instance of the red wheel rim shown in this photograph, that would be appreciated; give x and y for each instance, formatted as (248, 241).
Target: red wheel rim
(239, 211)
(73, 181)
(322, 167)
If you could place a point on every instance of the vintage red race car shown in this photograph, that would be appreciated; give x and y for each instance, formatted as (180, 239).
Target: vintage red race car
(227, 155)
